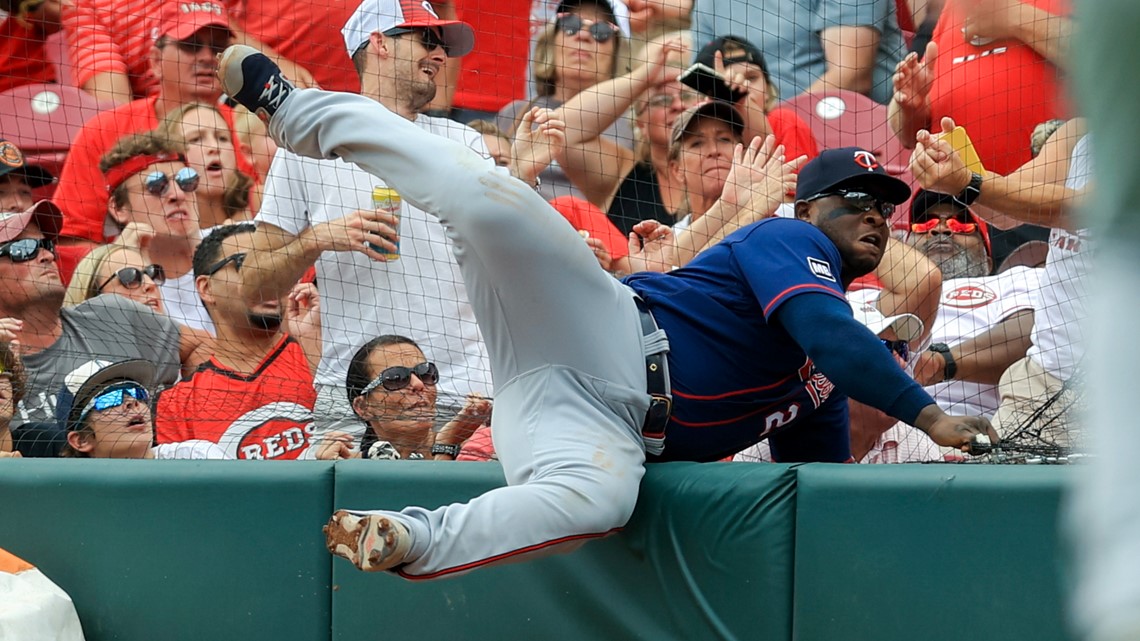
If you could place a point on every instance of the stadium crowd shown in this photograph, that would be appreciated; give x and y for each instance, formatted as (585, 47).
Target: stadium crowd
(181, 288)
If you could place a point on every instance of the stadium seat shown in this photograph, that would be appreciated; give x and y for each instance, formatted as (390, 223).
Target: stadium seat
(43, 119)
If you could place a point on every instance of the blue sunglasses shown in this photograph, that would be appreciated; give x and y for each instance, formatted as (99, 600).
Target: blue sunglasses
(898, 347)
(115, 396)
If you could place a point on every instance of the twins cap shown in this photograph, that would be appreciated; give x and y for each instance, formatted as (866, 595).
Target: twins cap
(714, 109)
(849, 168)
(86, 381)
(924, 200)
(747, 53)
(383, 15)
(907, 326)
(180, 20)
(47, 216)
(12, 161)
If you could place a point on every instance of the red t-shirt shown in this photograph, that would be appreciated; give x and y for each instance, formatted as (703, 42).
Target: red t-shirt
(306, 32)
(585, 216)
(793, 133)
(23, 57)
(494, 73)
(112, 36)
(82, 191)
(264, 415)
(999, 91)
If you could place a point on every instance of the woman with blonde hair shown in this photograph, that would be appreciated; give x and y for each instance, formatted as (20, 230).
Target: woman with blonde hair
(205, 137)
(116, 269)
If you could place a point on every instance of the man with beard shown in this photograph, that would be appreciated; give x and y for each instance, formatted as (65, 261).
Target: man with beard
(997, 310)
(322, 212)
(255, 396)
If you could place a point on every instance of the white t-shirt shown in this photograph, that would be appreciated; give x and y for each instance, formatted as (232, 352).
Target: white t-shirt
(969, 307)
(1059, 311)
(420, 296)
(182, 305)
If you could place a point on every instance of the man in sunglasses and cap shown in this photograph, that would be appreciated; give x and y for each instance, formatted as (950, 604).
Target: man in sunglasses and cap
(753, 339)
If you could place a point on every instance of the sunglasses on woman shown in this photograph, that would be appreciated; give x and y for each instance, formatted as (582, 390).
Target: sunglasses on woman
(114, 396)
(25, 249)
(898, 347)
(860, 201)
(397, 378)
(132, 277)
(953, 224)
(571, 23)
(157, 183)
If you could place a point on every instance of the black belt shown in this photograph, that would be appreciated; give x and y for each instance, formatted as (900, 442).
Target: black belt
(656, 376)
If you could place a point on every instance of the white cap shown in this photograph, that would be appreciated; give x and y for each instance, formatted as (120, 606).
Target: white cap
(907, 326)
(382, 15)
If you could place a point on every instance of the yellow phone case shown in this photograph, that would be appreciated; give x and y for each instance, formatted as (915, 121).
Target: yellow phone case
(960, 141)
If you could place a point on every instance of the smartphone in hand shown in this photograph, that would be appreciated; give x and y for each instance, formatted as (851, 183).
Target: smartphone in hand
(707, 81)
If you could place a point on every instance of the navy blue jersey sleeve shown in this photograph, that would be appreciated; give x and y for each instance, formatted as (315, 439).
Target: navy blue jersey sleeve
(782, 258)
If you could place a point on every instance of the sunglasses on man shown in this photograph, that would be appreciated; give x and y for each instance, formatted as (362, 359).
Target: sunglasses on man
(25, 249)
(157, 183)
(397, 378)
(859, 201)
(570, 24)
(237, 259)
(902, 348)
(114, 396)
(429, 38)
(953, 224)
(132, 277)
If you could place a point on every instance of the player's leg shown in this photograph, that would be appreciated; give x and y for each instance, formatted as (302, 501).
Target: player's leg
(563, 337)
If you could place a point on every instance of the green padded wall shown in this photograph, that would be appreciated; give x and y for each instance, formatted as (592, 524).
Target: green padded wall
(707, 555)
(172, 550)
(931, 552)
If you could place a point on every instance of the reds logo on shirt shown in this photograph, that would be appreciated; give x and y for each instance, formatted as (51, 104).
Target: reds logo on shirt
(969, 296)
(273, 431)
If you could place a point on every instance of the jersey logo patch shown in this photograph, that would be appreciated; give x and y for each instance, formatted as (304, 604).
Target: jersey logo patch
(969, 296)
(821, 269)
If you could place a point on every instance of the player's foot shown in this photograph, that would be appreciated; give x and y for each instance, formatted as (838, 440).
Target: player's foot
(253, 80)
(371, 542)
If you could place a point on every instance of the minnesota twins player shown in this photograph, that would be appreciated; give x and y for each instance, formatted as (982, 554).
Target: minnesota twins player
(752, 326)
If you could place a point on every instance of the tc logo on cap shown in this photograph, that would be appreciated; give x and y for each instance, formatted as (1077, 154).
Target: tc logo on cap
(866, 160)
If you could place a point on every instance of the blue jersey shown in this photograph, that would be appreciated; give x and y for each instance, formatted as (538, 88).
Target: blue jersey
(736, 377)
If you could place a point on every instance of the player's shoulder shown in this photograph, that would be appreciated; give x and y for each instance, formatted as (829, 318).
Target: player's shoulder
(787, 230)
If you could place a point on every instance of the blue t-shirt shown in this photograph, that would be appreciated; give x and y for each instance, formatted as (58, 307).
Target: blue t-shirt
(736, 377)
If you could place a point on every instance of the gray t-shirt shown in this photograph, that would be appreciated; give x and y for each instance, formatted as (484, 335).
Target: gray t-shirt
(787, 32)
(107, 327)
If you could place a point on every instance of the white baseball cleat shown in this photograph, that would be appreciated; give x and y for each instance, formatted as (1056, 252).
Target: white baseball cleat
(371, 542)
(253, 80)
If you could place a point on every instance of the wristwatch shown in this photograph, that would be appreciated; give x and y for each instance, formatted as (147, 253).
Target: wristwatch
(448, 450)
(974, 189)
(951, 367)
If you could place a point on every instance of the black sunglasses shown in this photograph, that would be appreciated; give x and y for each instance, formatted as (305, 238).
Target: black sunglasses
(132, 277)
(898, 347)
(397, 378)
(429, 38)
(860, 201)
(25, 249)
(195, 44)
(571, 23)
(237, 259)
(157, 182)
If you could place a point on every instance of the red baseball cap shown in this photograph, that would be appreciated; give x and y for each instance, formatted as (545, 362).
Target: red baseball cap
(180, 19)
(384, 15)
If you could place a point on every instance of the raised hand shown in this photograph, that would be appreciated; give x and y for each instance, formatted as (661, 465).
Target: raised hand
(651, 247)
(935, 164)
(913, 78)
(476, 411)
(539, 138)
(761, 177)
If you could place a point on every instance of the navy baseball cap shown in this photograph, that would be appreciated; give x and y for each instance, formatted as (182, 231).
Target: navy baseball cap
(748, 53)
(849, 168)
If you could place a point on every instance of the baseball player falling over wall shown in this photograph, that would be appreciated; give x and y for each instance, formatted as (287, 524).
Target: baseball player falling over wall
(695, 364)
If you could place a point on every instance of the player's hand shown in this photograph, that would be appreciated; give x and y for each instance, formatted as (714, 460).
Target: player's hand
(358, 231)
(913, 79)
(955, 431)
(476, 412)
(651, 247)
(539, 138)
(935, 164)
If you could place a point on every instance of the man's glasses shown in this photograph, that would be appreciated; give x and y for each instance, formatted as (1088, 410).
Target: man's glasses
(25, 249)
(397, 378)
(953, 224)
(571, 24)
(193, 45)
(237, 259)
(132, 277)
(429, 38)
(860, 201)
(661, 100)
(902, 348)
(115, 396)
(157, 183)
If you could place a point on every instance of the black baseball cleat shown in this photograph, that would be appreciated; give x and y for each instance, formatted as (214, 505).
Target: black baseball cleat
(252, 79)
